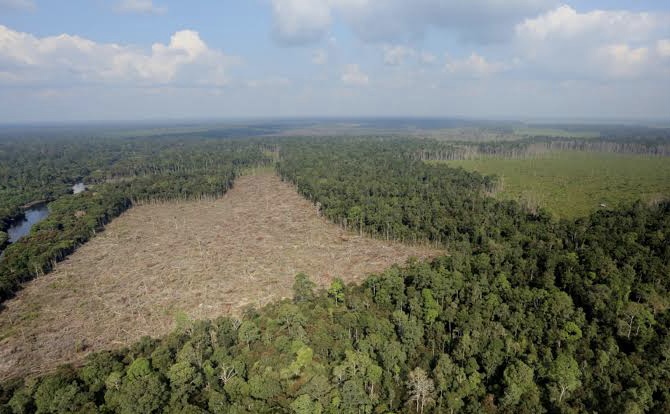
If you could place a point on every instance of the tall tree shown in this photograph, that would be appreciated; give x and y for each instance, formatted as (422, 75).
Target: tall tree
(421, 389)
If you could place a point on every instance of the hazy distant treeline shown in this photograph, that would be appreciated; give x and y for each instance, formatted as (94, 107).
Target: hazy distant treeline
(529, 148)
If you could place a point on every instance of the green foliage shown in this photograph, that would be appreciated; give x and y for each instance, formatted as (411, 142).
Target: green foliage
(431, 309)
(184, 380)
(304, 404)
(303, 288)
(564, 374)
(248, 332)
(97, 369)
(303, 357)
(572, 184)
(524, 315)
(336, 290)
(518, 379)
(140, 391)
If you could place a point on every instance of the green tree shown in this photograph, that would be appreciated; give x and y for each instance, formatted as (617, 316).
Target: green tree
(290, 317)
(355, 218)
(304, 404)
(354, 398)
(184, 381)
(303, 288)
(248, 332)
(336, 290)
(140, 391)
(237, 389)
(97, 369)
(303, 358)
(420, 388)
(264, 386)
(56, 394)
(564, 374)
(519, 383)
(431, 309)
(409, 329)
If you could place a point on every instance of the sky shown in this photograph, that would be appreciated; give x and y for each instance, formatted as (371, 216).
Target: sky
(84, 60)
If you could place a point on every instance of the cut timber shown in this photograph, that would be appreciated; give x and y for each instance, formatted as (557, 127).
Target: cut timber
(205, 259)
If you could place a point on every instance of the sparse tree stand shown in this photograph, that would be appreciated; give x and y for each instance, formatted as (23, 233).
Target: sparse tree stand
(421, 389)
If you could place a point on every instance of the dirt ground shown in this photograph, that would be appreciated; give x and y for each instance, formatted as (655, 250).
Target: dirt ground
(204, 259)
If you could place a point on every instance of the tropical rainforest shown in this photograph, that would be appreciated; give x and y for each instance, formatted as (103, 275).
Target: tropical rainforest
(524, 312)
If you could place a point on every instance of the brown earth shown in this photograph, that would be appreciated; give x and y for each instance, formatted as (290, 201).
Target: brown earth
(201, 258)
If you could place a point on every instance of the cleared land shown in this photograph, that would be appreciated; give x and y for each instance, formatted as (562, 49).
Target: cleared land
(204, 259)
(572, 184)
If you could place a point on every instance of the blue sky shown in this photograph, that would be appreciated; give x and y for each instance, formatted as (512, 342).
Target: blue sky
(160, 59)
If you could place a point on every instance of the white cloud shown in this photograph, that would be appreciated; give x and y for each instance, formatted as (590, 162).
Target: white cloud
(565, 43)
(301, 21)
(140, 6)
(305, 21)
(17, 5)
(396, 55)
(268, 82)
(565, 22)
(621, 60)
(428, 58)
(320, 57)
(352, 75)
(67, 59)
(474, 66)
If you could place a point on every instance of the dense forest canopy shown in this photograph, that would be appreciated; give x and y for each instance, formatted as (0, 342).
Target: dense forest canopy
(525, 314)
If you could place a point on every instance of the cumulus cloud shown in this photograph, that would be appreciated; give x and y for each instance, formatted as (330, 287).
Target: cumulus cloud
(542, 37)
(299, 22)
(474, 65)
(600, 43)
(17, 5)
(564, 22)
(622, 60)
(67, 59)
(353, 76)
(304, 21)
(139, 6)
(396, 55)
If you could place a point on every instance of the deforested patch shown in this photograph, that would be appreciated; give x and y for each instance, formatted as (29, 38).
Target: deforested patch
(203, 259)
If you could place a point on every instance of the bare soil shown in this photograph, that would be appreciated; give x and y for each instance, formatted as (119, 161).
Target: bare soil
(201, 258)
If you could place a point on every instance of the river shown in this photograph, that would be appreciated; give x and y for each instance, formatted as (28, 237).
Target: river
(32, 215)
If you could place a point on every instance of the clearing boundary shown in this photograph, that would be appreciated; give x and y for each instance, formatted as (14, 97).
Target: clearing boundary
(202, 258)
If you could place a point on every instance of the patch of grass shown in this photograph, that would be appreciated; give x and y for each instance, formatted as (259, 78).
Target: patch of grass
(572, 184)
